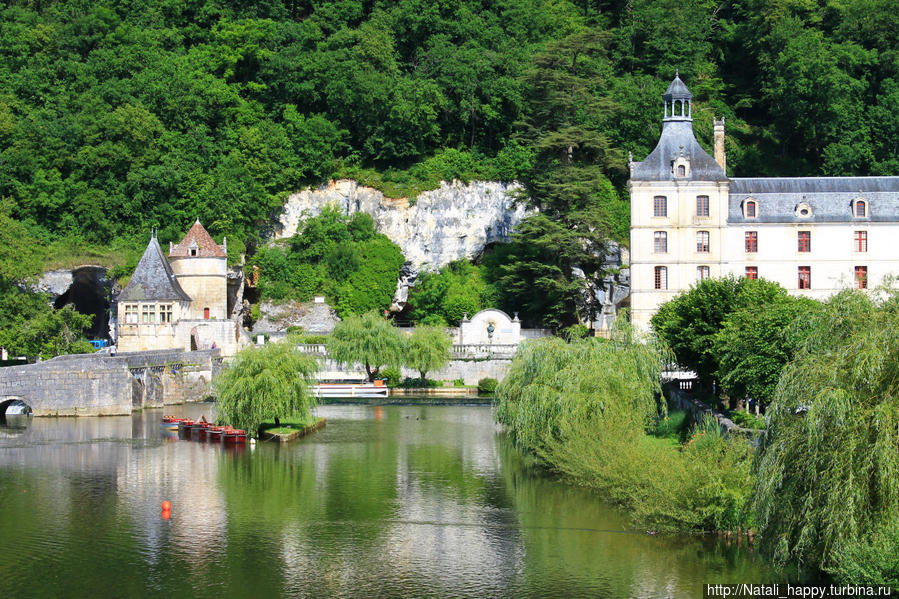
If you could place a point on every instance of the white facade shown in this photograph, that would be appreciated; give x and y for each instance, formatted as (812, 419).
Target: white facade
(813, 236)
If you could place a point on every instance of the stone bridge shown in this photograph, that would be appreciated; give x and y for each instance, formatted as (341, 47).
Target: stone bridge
(101, 385)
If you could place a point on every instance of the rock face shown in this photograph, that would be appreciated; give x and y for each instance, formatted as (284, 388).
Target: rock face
(450, 223)
(316, 318)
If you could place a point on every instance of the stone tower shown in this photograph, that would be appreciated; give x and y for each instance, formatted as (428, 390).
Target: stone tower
(201, 267)
(679, 204)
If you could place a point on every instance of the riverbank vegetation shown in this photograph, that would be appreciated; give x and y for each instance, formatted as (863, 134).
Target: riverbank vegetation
(827, 472)
(265, 384)
(592, 410)
(369, 340)
(739, 332)
(824, 495)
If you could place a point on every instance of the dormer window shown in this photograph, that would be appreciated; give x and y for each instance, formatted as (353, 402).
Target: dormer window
(750, 209)
(193, 249)
(803, 210)
(860, 209)
(681, 166)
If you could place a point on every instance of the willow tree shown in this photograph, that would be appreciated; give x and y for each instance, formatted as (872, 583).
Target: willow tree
(827, 479)
(265, 383)
(369, 340)
(427, 349)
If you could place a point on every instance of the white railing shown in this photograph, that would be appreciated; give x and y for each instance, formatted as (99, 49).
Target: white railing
(483, 351)
(348, 390)
(467, 351)
(318, 349)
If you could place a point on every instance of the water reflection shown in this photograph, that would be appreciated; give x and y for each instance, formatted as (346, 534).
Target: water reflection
(388, 502)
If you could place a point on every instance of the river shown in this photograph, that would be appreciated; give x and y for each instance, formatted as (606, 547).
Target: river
(394, 501)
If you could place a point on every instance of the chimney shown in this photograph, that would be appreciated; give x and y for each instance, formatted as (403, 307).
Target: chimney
(720, 158)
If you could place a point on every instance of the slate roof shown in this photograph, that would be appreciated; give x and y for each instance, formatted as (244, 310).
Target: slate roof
(677, 90)
(830, 198)
(677, 136)
(206, 246)
(153, 279)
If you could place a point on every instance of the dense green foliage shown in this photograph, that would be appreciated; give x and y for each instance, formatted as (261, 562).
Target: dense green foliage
(736, 330)
(340, 257)
(427, 349)
(443, 298)
(368, 340)
(119, 116)
(264, 383)
(116, 117)
(827, 484)
(585, 409)
(29, 326)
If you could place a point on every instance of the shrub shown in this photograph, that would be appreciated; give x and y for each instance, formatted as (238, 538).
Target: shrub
(410, 383)
(458, 382)
(392, 375)
(487, 386)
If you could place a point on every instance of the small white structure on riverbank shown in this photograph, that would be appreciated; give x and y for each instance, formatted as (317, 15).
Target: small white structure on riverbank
(489, 327)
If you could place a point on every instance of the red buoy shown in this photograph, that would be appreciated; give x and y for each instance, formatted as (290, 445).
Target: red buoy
(166, 514)
(166, 506)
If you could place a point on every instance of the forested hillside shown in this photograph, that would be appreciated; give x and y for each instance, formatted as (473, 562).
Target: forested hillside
(119, 116)
(116, 117)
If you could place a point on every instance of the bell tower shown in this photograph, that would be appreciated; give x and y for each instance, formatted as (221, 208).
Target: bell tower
(678, 101)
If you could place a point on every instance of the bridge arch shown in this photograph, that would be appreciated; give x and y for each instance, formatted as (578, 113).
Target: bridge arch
(19, 403)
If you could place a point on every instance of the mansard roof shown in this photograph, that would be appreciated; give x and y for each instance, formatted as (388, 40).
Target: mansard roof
(829, 199)
(197, 238)
(677, 138)
(153, 279)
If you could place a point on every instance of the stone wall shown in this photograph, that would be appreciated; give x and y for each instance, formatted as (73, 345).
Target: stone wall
(72, 388)
(102, 385)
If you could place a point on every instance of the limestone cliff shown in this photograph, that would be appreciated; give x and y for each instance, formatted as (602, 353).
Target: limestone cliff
(450, 223)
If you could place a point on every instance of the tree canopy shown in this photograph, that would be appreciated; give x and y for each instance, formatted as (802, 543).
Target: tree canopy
(340, 257)
(427, 349)
(368, 339)
(826, 490)
(264, 383)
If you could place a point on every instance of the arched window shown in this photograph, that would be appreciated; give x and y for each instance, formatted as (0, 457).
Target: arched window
(681, 170)
(861, 209)
(750, 209)
(661, 277)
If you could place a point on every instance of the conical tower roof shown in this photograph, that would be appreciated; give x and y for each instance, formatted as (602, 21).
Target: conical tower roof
(153, 279)
(200, 240)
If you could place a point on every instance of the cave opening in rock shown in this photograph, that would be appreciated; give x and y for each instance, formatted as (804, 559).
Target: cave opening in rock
(89, 294)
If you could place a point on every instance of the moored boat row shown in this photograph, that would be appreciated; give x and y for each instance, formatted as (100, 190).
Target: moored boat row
(204, 431)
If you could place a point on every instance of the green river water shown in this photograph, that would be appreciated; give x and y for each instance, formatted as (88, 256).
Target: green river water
(394, 501)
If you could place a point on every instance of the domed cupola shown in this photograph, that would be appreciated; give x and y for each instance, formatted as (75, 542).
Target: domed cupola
(678, 101)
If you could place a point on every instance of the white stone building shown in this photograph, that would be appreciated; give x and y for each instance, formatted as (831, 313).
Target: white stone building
(182, 304)
(689, 221)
